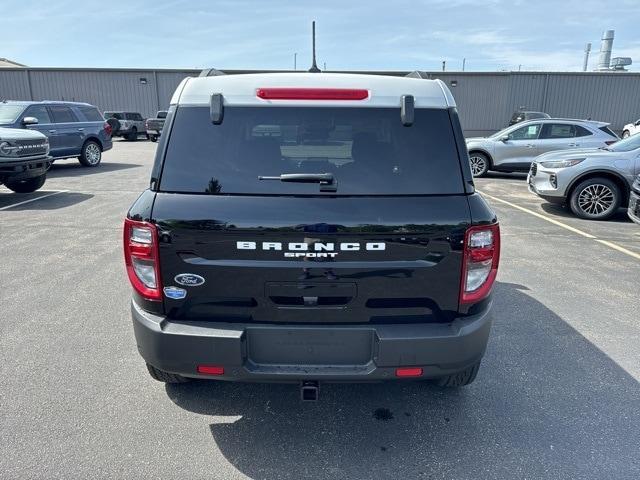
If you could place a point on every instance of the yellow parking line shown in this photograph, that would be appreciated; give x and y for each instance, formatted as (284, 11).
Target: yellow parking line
(565, 226)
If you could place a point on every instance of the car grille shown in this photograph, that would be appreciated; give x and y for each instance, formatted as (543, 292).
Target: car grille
(29, 148)
(534, 169)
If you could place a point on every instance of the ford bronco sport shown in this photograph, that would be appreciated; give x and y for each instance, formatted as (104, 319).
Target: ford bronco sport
(310, 227)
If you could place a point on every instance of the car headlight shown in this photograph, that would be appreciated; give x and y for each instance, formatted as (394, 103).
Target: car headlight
(562, 163)
(7, 150)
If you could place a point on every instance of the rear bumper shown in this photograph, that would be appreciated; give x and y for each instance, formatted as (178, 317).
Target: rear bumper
(290, 353)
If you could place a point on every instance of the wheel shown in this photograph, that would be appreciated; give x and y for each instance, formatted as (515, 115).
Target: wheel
(166, 377)
(153, 138)
(91, 154)
(27, 185)
(595, 199)
(133, 136)
(459, 379)
(626, 134)
(479, 163)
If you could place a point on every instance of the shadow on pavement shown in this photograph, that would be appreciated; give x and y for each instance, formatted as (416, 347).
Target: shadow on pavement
(53, 202)
(74, 169)
(546, 404)
(560, 211)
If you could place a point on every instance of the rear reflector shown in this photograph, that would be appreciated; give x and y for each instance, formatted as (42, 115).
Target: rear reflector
(210, 370)
(409, 372)
(312, 94)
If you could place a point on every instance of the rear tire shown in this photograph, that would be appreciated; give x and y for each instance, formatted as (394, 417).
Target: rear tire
(626, 134)
(91, 154)
(133, 136)
(595, 199)
(459, 379)
(153, 138)
(166, 377)
(28, 185)
(479, 164)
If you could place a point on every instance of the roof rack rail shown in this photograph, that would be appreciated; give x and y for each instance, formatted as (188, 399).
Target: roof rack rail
(418, 74)
(211, 72)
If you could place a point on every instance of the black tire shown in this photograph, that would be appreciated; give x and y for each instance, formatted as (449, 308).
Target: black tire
(595, 199)
(27, 185)
(133, 136)
(459, 379)
(153, 138)
(626, 134)
(166, 377)
(479, 164)
(91, 154)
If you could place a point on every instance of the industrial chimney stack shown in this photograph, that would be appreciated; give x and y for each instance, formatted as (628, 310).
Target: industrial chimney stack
(604, 61)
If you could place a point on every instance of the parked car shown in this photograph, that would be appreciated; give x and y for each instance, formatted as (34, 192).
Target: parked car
(73, 129)
(514, 148)
(631, 129)
(126, 124)
(594, 182)
(524, 115)
(24, 159)
(336, 236)
(154, 125)
(634, 201)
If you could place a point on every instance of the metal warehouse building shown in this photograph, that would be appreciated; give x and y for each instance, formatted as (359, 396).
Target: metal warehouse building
(485, 100)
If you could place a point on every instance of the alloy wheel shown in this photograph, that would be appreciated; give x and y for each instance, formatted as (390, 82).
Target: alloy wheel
(596, 199)
(478, 165)
(93, 153)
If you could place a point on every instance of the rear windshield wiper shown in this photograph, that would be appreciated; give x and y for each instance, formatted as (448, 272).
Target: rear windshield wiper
(327, 181)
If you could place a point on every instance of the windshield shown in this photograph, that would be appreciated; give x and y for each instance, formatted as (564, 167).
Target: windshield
(367, 151)
(9, 113)
(626, 145)
(505, 131)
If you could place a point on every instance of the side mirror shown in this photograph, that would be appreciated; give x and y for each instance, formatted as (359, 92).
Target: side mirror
(29, 121)
(504, 138)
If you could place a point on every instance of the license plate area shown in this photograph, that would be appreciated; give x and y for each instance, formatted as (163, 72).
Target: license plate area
(309, 346)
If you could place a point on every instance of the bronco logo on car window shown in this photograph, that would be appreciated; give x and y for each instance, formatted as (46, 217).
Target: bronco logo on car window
(311, 248)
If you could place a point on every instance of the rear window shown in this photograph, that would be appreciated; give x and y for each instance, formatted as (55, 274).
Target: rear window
(116, 115)
(91, 114)
(367, 150)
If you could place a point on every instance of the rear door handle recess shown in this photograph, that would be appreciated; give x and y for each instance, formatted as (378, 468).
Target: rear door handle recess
(529, 145)
(52, 131)
(81, 129)
(574, 145)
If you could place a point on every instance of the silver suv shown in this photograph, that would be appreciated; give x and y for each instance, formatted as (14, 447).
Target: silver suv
(514, 148)
(594, 182)
(126, 124)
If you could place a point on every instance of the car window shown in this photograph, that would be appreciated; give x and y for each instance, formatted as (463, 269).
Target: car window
(62, 114)
(162, 114)
(91, 114)
(582, 132)
(9, 113)
(116, 115)
(38, 111)
(557, 130)
(368, 151)
(528, 132)
(626, 145)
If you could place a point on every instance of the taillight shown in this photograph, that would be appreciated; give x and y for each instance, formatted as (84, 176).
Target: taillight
(480, 262)
(141, 258)
(108, 129)
(278, 93)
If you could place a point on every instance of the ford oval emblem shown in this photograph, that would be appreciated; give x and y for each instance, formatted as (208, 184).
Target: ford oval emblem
(189, 279)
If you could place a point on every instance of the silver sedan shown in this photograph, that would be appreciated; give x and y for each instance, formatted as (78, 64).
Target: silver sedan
(514, 148)
(594, 182)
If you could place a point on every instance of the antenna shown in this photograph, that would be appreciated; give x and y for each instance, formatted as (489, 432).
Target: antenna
(314, 68)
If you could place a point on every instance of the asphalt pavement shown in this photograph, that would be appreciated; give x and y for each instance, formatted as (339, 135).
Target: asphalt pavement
(557, 396)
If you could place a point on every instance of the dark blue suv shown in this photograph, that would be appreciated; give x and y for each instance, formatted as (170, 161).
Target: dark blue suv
(74, 129)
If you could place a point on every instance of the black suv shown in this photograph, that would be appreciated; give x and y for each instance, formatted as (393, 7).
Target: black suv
(312, 227)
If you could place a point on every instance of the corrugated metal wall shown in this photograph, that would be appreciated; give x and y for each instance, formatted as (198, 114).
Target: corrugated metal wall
(485, 100)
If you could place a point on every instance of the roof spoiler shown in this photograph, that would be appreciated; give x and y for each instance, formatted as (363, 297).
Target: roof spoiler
(211, 72)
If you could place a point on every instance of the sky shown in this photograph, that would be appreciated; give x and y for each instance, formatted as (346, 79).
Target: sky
(492, 35)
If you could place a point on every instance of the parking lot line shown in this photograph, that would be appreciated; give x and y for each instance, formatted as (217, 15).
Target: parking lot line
(565, 226)
(33, 199)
